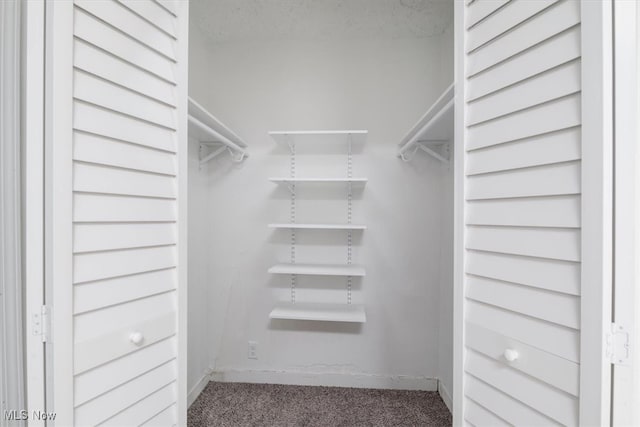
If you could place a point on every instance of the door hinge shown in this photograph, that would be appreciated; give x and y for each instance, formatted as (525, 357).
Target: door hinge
(618, 346)
(40, 323)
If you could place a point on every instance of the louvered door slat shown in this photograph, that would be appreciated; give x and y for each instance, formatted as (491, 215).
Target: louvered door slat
(100, 150)
(480, 10)
(131, 24)
(503, 20)
(544, 273)
(507, 408)
(93, 383)
(556, 19)
(546, 211)
(108, 292)
(153, 13)
(549, 148)
(559, 49)
(556, 404)
(94, 60)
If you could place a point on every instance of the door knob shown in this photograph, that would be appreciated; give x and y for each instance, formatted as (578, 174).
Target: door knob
(511, 354)
(136, 338)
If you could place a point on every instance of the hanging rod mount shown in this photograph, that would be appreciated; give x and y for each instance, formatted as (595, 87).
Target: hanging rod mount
(427, 147)
(219, 148)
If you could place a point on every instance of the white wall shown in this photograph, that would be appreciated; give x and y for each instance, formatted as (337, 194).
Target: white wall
(199, 348)
(445, 321)
(381, 85)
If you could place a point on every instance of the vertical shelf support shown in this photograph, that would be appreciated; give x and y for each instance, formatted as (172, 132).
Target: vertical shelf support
(349, 214)
(292, 211)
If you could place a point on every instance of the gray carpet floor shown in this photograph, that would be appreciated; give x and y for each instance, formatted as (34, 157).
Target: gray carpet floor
(237, 404)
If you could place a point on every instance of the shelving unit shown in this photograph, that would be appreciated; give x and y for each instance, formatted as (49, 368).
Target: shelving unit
(319, 226)
(318, 311)
(355, 181)
(319, 269)
(323, 312)
(319, 136)
(214, 137)
(433, 131)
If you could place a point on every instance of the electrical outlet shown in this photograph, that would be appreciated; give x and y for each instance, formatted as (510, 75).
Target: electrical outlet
(253, 350)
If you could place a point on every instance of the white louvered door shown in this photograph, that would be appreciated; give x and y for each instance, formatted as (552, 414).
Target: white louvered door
(534, 212)
(116, 202)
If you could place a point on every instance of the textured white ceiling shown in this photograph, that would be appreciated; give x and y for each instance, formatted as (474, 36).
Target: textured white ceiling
(232, 20)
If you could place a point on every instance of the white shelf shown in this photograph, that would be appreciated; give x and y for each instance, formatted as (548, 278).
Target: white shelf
(320, 226)
(212, 133)
(318, 269)
(279, 180)
(435, 127)
(321, 312)
(319, 136)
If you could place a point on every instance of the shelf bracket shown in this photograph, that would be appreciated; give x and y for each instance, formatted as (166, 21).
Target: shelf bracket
(291, 144)
(204, 158)
(237, 157)
(219, 148)
(291, 187)
(426, 146)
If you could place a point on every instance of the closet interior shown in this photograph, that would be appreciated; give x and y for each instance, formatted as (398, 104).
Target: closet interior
(320, 238)
(408, 196)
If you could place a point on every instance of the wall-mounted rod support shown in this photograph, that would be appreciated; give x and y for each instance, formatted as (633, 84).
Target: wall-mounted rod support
(218, 138)
(213, 154)
(435, 127)
(415, 139)
(235, 157)
(430, 151)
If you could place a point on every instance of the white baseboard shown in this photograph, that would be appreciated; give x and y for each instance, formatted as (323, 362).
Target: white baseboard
(198, 388)
(445, 395)
(394, 382)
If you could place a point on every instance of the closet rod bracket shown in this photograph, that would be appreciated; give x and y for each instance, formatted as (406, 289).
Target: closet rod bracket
(428, 147)
(219, 148)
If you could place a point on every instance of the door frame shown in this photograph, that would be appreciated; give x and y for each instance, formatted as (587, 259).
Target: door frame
(33, 20)
(58, 207)
(626, 304)
(459, 227)
(597, 211)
